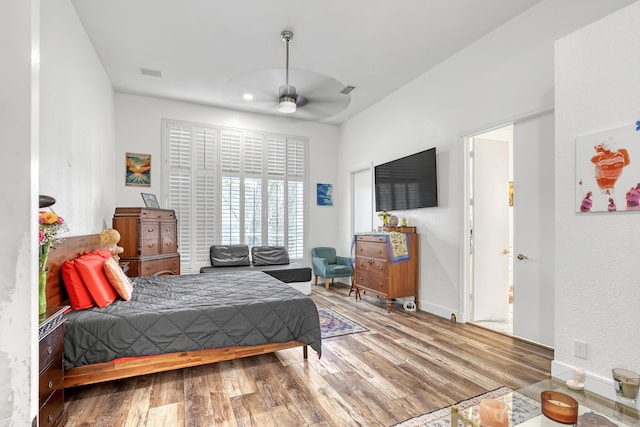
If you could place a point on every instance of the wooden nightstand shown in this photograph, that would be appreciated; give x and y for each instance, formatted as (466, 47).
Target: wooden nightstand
(51, 334)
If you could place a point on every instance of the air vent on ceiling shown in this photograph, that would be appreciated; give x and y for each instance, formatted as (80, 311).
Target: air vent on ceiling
(150, 72)
(347, 90)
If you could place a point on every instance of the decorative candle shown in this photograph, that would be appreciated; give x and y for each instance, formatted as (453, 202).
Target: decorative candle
(494, 413)
(559, 407)
(627, 383)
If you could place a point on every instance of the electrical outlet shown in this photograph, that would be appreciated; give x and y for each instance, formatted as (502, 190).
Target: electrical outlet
(580, 349)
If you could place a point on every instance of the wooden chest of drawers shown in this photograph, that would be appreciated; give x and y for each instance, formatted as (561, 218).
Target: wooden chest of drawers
(51, 370)
(149, 239)
(377, 274)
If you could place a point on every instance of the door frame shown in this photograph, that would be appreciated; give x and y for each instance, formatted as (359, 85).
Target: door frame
(467, 272)
(352, 173)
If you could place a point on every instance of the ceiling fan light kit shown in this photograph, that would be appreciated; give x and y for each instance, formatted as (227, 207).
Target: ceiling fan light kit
(287, 99)
(287, 94)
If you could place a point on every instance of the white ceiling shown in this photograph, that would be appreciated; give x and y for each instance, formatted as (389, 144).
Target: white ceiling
(208, 49)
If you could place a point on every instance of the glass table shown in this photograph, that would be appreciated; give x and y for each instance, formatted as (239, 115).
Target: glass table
(594, 410)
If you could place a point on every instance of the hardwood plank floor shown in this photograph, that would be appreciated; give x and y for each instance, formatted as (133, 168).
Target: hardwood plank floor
(407, 364)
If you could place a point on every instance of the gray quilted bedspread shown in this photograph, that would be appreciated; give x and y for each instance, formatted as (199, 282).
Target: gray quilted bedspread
(192, 312)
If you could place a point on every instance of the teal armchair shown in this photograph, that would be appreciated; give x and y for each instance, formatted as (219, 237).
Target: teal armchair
(328, 265)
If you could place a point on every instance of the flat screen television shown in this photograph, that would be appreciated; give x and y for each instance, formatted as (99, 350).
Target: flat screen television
(410, 182)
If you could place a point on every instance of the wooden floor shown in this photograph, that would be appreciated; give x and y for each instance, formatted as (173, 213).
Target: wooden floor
(406, 365)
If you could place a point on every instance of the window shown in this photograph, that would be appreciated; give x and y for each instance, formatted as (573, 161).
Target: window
(231, 186)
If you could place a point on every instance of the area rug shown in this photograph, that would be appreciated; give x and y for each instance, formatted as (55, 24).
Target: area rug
(521, 409)
(334, 324)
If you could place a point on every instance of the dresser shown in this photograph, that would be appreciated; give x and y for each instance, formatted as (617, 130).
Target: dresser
(376, 270)
(149, 239)
(51, 370)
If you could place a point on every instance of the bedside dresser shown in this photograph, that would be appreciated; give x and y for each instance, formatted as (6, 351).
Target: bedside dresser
(375, 271)
(51, 392)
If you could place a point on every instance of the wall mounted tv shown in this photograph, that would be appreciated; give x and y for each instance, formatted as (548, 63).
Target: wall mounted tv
(407, 183)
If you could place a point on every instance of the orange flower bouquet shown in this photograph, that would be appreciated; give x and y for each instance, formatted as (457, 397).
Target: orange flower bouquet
(51, 225)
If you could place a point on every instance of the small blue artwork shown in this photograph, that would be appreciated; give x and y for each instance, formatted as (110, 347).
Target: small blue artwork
(325, 195)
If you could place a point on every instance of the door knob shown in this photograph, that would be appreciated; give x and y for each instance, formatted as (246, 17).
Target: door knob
(521, 257)
(506, 252)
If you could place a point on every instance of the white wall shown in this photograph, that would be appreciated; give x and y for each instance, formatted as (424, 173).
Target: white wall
(19, 37)
(597, 282)
(77, 123)
(139, 130)
(507, 74)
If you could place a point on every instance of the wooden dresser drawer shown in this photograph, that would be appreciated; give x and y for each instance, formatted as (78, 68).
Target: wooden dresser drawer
(160, 267)
(370, 249)
(51, 346)
(53, 410)
(372, 265)
(372, 281)
(150, 238)
(51, 379)
(168, 238)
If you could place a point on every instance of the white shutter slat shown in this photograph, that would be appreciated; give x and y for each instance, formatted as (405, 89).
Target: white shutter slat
(295, 159)
(295, 217)
(253, 154)
(230, 211)
(230, 151)
(276, 150)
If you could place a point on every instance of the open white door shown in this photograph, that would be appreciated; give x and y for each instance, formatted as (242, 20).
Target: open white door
(362, 200)
(490, 230)
(533, 301)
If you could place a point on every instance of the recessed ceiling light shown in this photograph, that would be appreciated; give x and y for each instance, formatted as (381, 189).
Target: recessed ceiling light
(247, 97)
(150, 72)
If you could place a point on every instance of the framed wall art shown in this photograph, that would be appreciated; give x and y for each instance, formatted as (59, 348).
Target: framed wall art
(138, 170)
(325, 194)
(608, 171)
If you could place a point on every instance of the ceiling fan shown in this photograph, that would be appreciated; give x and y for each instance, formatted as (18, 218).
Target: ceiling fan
(314, 97)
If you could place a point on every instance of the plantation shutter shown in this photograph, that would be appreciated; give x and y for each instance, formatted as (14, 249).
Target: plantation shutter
(295, 200)
(276, 168)
(230, 220)
(179, 182)
(204, 204)
(231, 186)
(253, 164)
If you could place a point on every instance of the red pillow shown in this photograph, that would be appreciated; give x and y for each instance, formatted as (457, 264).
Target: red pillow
(104, 253)
(90, 268)
(78, 294)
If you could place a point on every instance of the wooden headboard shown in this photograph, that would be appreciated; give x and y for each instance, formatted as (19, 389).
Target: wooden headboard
(68, 249)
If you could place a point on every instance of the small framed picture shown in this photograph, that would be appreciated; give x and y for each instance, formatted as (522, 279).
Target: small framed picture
(150, 200)
(138, 170)
(325, 194)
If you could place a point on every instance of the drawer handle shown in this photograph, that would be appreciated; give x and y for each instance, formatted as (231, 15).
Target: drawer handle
(150, 245)
(50, 384)
(49, 350)
(150, 230)
(381, 284)
(167, 229)
(380, 268)
(148, 267)
(50, 418)
(168, 243)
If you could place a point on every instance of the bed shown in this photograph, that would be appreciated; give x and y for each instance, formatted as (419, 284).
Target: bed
(174, 322)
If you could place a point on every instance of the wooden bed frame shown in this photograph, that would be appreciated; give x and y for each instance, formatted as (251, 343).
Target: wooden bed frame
(72, 247)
